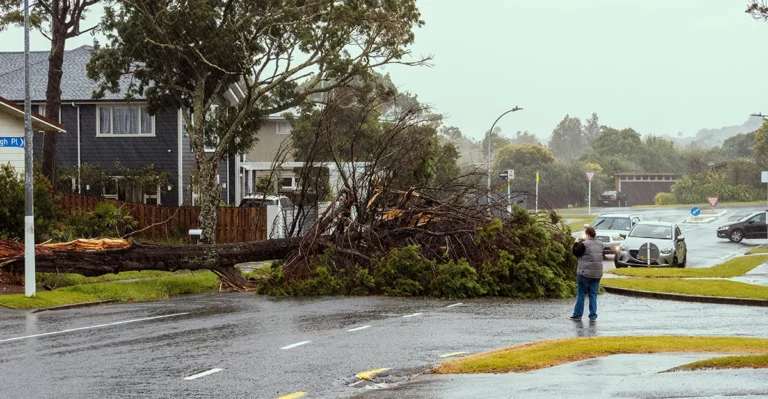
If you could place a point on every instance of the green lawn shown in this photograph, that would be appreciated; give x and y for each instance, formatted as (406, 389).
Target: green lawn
(543, 354)
(732, 268)
(727, 362)
(577, 220)
(142, 290)
(758, 250)
(58, 280)
(722, 288)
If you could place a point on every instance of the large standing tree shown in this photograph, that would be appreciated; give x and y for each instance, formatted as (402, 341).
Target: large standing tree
(567, 140)
(57, 20)
(189, 53)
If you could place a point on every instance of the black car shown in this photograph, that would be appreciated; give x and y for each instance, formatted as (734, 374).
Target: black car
(750, 226)
(612, 198)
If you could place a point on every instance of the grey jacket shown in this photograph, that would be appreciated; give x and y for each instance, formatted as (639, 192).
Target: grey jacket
(590, 254)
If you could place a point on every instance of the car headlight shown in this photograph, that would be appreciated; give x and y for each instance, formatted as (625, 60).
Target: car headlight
(616, 238)
(667, 251)
(721, 228)
(623, 247)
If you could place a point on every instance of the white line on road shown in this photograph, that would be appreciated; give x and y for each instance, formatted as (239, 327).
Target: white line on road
(358, 328)
(454, 305)
(203, 374)
(291, 346)
(92, 327)
(411, 315)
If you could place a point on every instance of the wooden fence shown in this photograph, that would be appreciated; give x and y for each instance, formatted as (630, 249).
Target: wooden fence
(158, 222)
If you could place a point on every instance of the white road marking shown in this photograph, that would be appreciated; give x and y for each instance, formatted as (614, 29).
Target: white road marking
(455, 304)
(411, 315)
(203, 374)
(291, 346)
(358, 328)
(92, 327)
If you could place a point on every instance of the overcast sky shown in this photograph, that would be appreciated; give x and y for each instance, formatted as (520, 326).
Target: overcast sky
(658, 66)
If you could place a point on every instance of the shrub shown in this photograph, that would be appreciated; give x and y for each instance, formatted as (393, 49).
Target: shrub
(457, 280)
(404, 272)
(106, 220)
(12, 205)
(665, 199)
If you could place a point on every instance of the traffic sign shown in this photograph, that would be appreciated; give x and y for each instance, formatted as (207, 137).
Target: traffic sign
(695, 211)
(590, 175)
(13, 142)
(504, 176)
(511, 174)
(712, 201)
(764, 177)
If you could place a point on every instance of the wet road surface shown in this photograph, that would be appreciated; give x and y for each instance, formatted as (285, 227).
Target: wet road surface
(246, 346)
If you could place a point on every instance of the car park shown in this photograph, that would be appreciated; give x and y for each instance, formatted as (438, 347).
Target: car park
(610, 227)
(752, 226)
(658, 244)
(612, 198)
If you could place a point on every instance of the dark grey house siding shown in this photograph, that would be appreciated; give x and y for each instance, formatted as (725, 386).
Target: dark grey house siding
(188, 165)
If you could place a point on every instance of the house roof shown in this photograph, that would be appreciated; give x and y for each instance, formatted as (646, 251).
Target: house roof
(75, 84)
(39, 122)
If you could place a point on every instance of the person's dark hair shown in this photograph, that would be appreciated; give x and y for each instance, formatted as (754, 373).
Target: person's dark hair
(591, 232)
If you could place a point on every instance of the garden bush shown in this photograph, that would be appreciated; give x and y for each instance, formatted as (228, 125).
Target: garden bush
(665, 199)
(12, 205)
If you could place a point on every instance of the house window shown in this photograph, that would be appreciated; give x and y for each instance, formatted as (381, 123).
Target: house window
(283, 128)
(41, 110)
(288, 183)
(110, 189)
(121, 120)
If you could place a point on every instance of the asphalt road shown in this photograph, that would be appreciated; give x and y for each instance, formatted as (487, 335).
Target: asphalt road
(246, 346)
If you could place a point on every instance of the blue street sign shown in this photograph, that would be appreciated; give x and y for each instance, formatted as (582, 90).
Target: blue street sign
(13, 142)
(695, 211)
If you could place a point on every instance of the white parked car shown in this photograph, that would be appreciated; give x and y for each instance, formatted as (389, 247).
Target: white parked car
(665, 240)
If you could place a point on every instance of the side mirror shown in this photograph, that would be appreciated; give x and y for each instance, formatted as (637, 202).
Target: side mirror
(681, 238)
(751, 222)
(586, 225)
(622, 235)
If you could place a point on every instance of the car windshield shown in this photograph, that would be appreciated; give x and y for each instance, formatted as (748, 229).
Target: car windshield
(611, 223)
(652, 231)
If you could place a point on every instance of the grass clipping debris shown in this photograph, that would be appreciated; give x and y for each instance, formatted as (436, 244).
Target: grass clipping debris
(544, 354)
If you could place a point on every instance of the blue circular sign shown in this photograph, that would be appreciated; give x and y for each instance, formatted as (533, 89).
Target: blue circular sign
(695, 211)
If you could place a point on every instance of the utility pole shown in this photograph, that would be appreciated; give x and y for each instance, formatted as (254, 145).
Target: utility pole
(490, 132)
(29, 173)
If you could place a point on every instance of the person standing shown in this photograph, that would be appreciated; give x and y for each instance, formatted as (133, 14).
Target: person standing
(588, 273)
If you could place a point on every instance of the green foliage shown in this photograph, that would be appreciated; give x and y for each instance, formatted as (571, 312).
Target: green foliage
(105, 221)
(275, 284)
(739, 146)
(760, 148)
(694, 189)
(567, 140)
(515, 156)
(131, 180)
(322, 282)
(404, 272)
(456, 280)
(665, 199)
(12, 205)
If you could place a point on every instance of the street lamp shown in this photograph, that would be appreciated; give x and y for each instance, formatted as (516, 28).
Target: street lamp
(764, 175)
(760, 115)
(489, 149)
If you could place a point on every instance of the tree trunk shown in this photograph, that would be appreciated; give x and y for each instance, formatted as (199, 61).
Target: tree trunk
(210, 197)
(53, 97)
(220, 259)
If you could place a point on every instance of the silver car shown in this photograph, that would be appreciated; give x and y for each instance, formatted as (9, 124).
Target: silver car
(658, 243)
(610, 228)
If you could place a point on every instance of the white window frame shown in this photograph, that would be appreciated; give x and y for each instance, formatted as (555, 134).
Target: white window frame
(287, 129)
(293, 183)
(98, 122)
(157, 196)
(117, 189)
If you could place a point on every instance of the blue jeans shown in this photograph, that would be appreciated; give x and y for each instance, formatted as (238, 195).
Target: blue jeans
(586, 286)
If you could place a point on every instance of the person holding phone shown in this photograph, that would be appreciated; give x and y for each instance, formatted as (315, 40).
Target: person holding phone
(589, 250)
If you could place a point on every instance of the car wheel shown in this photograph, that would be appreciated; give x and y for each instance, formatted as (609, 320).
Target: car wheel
(685, 261)
(737, 235)
(616, 263)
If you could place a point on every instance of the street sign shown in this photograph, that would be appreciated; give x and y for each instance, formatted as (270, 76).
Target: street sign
(511, 174)
(504, 176)
(695, 211)
(764, 177)
(590, 175)
(712, 201)
(13, 142)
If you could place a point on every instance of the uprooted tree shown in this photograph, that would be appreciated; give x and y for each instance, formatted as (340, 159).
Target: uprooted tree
(392, 228)
(245, 59)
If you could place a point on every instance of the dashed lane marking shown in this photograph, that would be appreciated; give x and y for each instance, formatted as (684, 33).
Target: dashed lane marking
(294, 395)
(453, 354)
(367, 375)
(412, 315)
(291, 346)
(203, 374)
(358, 328)
(117, 323)
(454, 305)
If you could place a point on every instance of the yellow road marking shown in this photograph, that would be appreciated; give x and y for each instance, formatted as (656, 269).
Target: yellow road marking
(293, 395)
(454, 354)
(367, 375)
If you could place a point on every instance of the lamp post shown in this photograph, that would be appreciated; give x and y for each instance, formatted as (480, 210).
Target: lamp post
(489, 150)
(764, 177)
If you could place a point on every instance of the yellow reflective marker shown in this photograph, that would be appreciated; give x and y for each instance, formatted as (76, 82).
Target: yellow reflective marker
(454, 354)
(294, 395)
(367, 375)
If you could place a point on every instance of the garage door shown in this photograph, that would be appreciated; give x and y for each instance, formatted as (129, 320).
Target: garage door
(643, 192)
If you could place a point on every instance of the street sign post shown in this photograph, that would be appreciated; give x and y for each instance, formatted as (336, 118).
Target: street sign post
(537, 193)
(510, 176)
(590, 175)
(713, 202)
(695, 211)
(12, 142)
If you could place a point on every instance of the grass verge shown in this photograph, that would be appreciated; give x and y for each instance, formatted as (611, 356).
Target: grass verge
(758, 250)
(721, 288)
(143, 290)
(58, 280)
(543, 354)
(728, 362)
(576, 221)
(733, 268)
